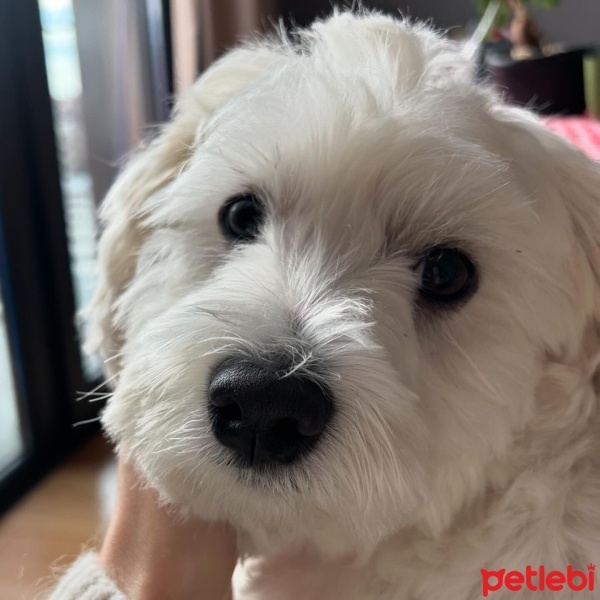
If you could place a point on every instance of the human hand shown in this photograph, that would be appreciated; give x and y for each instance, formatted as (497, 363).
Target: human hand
(151, 555)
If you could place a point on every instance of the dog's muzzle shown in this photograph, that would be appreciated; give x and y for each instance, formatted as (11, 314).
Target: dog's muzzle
(263, 416)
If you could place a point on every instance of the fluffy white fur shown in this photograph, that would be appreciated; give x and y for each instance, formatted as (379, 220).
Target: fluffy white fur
(462, 440)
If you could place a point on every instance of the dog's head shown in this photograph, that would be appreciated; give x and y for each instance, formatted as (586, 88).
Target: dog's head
(330, 288)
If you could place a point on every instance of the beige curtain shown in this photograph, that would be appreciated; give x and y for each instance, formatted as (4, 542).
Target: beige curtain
(203, 29)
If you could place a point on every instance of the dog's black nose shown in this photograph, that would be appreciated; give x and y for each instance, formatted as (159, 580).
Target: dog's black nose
(264, 417)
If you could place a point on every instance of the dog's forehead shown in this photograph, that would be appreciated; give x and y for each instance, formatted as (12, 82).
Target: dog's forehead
(340, 156)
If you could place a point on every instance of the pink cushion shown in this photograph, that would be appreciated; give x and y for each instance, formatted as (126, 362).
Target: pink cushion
(582, 131)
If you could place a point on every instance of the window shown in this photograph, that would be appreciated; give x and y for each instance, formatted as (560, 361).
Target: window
(11, 442)
(59, 153)
(64, 82)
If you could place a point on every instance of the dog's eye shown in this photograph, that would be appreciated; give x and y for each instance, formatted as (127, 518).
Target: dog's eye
(447, 276)
(240, 217)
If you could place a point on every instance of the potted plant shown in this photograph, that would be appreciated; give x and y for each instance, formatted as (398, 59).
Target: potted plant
(523, 32)
(548, 79)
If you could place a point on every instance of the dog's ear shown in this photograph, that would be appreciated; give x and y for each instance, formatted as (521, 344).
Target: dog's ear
(577, 180)
(154, 167)
(559, 169)
(580, 180)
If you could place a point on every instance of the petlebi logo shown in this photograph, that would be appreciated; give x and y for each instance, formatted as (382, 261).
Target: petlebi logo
(538, 580)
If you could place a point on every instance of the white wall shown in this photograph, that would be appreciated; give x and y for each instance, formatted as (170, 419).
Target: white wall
(573, 22)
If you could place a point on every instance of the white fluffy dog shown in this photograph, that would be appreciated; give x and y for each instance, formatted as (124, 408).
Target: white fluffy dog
(352, 304)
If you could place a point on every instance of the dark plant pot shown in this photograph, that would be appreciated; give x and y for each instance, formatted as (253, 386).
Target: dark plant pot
(549, 84)
(501, 48)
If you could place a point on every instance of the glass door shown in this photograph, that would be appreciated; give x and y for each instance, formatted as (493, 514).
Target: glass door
(11, 440)
(80, 81)
(64, 82)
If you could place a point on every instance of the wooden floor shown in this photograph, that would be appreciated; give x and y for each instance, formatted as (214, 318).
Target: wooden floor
(55, 521)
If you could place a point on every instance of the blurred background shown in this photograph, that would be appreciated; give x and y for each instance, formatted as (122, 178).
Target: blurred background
(82, 83)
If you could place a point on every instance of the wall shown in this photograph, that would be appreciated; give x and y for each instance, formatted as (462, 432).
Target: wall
(575, 21)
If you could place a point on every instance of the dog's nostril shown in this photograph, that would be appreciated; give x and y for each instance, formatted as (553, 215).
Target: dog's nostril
(263, 417)
(281, 442)
(230, 412)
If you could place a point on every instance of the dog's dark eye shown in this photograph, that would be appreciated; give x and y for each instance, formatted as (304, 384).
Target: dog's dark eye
(240, 217)
(447, 276)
